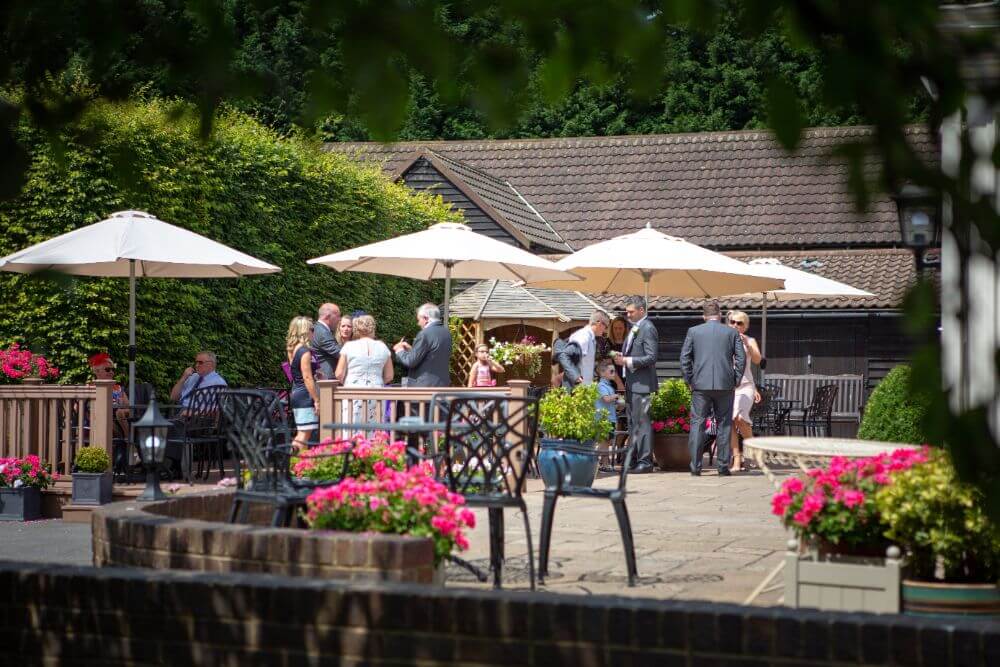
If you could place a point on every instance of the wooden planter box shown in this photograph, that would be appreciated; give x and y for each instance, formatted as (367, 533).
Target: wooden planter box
(23, 504)
(843, 583)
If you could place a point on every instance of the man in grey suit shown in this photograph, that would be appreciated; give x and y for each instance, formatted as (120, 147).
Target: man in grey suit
(427, 359)
(712, 361)
(324, 346)
(638, 361)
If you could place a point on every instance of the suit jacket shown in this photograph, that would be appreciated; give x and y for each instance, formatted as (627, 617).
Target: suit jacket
(713, 357)
(428, 359)
(325, 350)
(641, 377)
(568, 355)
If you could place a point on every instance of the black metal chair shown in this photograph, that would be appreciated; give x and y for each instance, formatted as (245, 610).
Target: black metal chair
(485, 455)
(818, 415)
(254, 426)
(760, 413)
(199, 432)
(616, 496)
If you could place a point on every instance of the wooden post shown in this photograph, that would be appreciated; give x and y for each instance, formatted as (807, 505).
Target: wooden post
(519, 390)
(327, 403)
(102, 417)
(29, 425)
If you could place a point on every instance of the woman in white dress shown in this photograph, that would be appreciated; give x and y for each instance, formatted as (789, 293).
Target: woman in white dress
(364, 362)
(746, 392)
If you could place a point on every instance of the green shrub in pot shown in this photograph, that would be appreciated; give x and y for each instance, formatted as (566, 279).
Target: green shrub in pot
(573, 415)
(893, 413)
(92, 459)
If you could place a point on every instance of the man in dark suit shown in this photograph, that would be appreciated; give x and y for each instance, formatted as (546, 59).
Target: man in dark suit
(427, 359)
(567, 354)
(324, 346)
(638, 361)
(712, 362)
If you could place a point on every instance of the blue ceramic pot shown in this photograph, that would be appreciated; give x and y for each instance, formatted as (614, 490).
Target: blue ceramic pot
(581, 458)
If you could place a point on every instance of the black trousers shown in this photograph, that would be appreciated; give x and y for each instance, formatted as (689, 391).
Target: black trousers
(704, 403)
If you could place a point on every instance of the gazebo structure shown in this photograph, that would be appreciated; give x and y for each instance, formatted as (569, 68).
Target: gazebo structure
(499, 309)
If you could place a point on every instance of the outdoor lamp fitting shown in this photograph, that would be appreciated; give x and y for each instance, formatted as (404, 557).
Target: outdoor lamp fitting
(151, 434)
(918, 216)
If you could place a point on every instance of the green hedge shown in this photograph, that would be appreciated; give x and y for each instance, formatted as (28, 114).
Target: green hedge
(892, 413)
(282, 200)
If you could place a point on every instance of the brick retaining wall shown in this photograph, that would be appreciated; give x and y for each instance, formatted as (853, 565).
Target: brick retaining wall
(68, 615)
(190, 532)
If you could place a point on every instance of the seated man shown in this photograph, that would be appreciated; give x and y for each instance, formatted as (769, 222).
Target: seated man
(202, 374)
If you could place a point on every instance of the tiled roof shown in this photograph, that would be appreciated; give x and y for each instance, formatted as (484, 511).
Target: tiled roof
(507, 202)
(885, 272)
(720, 189)
(500, 299)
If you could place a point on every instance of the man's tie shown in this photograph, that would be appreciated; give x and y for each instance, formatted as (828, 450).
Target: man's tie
(197, 384)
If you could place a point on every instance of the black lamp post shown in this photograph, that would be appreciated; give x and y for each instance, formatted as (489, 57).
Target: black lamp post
(919, 221)
(151, 434)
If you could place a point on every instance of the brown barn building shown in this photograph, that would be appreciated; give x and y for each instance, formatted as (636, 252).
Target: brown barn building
(735, 192)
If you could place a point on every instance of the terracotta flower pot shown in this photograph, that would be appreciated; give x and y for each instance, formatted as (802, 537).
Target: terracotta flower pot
(934, 598)
(671, 451)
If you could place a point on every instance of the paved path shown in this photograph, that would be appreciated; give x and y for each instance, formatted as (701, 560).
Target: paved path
(705, 537)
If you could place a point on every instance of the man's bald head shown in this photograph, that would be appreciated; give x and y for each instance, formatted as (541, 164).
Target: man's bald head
(329, 314)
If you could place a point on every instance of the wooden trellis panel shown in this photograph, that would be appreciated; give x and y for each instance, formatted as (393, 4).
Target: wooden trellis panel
(463, 351)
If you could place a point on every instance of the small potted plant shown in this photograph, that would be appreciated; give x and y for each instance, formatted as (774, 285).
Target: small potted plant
(952, 549)
(669, 410)
(92, 477)
(572, 428)
(21, 483)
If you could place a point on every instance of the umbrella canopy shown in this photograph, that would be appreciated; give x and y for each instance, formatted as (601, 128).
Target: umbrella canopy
(654, 263)
(798, 284)
(127, 239)
(445, 250)
(135, 244)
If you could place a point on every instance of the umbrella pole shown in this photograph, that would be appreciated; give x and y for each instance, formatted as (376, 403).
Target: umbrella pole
(763, 334)
(131, 332)
(447, 290)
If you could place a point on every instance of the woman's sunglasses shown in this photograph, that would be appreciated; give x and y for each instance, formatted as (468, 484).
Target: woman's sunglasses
(738, 323)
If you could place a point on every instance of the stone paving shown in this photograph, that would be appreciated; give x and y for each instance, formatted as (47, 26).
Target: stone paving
(707, 538)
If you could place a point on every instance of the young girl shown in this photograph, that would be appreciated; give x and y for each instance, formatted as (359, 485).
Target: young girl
(484, 369)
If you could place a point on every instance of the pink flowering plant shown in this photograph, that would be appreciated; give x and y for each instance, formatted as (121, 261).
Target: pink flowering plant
(836, 504)
(401, 502)
(28, 471)
(326, 461)
(669, 408)
(17, 363)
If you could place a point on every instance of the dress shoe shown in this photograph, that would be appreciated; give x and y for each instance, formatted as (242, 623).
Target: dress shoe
(724, 472)
(696, 473)
(641, 469)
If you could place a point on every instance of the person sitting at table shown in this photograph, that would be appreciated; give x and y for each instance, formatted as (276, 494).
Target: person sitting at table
(201, 374)
(103, 368)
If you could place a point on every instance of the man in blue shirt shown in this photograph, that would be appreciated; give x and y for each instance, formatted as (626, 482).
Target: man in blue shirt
(202, 374)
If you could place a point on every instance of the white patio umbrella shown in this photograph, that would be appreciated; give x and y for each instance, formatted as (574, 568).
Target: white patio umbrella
(135, 244)
(651, 262)
(798, 285)
(445, 250)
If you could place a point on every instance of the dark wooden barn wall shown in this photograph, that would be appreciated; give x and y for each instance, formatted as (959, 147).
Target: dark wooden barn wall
(862, 345)
(424, 177)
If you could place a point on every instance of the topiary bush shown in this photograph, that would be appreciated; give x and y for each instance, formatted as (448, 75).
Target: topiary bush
(893, 414)
(92, 459)
(281, 199)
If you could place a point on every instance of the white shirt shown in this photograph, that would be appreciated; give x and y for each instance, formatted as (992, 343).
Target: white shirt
(587, 341)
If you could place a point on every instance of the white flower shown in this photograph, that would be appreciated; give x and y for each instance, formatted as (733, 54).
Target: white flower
(3, 466)
(18, 483)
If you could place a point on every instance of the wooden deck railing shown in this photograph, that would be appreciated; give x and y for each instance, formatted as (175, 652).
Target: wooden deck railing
(336, 402)
(54, 421)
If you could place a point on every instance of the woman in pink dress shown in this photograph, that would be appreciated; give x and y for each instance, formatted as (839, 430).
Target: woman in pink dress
(746, 392)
